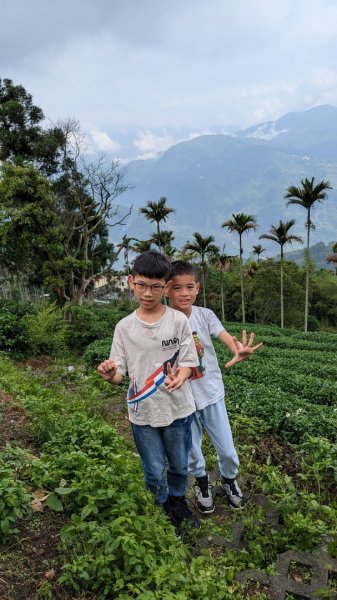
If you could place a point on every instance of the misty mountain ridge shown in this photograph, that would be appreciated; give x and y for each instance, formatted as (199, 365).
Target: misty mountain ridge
(210, 177)
(318, 255)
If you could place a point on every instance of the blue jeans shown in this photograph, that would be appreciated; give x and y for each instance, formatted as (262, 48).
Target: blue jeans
(156, 445)
(214, 419)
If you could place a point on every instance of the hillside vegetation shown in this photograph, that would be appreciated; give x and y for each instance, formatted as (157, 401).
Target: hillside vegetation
(66, 445)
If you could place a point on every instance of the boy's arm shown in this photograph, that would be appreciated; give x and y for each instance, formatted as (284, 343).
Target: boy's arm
(241, 350)
(108, 371)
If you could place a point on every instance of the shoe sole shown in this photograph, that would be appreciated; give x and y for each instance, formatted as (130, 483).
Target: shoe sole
(240, 507)
(204, 511)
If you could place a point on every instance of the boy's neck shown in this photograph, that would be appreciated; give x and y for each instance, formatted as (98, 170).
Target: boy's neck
(187, 311)
(152, 315)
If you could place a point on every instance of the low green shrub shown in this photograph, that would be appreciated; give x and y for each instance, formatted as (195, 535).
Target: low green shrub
(46, 331)
(14, 337)
(96, 352)
(14, 497)
(89, 324)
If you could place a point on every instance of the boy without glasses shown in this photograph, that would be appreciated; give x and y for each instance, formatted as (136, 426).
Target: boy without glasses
(208, 389)
(154, 345)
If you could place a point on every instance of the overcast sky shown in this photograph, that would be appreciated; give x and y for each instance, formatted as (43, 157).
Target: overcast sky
(140, 75)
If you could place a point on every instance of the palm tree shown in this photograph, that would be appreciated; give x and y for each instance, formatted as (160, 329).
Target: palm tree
(281, 236)
(203, 246)
(163, 240)
(306, 196)
(258, 251)
(241, 223)
(127, 247)
(156, 212)
(223, 262)
(332, 258)
(142, 246)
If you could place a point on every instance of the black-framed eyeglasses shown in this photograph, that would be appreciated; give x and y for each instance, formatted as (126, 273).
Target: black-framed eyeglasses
(155, 288)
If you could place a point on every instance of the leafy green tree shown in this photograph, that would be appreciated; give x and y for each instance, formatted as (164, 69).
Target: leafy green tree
(58, 236)
(263, 297)
(332, 258)
(29, 226)
(156, 212)
(306, 196)
(203, 247)
(281, 236)
(241, 223)
(22, 138)
(19, 122)
(324, 298)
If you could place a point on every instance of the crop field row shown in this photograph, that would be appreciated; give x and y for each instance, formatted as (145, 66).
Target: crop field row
(114, 542)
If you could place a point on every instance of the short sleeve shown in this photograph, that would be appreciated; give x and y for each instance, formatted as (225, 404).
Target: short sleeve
(214, 324)
(187, 355)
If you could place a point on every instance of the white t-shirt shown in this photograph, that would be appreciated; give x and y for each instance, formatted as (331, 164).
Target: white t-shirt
(143, 350)
(206, 380)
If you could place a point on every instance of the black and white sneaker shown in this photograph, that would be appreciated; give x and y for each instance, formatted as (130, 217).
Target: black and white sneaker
(181, 512)
(232, 490)
(203, 495)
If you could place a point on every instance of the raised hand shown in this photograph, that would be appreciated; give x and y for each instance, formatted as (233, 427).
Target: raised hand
(244, 350)
(174, 379)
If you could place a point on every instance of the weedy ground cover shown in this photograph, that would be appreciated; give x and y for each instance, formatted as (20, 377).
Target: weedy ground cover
(114, 543)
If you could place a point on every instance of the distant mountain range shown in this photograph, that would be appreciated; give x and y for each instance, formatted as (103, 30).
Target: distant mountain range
(318, 254)
(210, 177)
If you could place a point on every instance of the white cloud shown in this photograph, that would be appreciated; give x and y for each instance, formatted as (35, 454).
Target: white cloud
(149, 145)
(102, 142)
(200, 65)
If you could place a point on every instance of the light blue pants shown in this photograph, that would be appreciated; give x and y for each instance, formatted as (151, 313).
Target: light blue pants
(214, 419)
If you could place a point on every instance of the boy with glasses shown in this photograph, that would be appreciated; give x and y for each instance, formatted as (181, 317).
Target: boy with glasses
(154, 345)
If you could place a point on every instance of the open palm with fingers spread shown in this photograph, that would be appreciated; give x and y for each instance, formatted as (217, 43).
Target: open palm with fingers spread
(244, 349)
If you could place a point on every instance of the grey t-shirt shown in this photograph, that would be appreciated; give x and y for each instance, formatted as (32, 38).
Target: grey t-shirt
(143, 350)
(206, 380)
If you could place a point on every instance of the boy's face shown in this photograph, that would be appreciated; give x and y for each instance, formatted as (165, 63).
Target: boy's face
(183, 291)
(148, 292)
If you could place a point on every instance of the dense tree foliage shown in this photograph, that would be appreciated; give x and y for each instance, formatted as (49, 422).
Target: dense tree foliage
(281, 236)
(55, 209)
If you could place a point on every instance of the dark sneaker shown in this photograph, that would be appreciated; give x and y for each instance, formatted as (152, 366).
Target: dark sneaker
(203, 495)
(181, 512)
(232, 490)
(171, 517)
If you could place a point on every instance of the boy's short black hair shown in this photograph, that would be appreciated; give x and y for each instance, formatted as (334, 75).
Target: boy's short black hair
(153, 265)
(182, 267)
